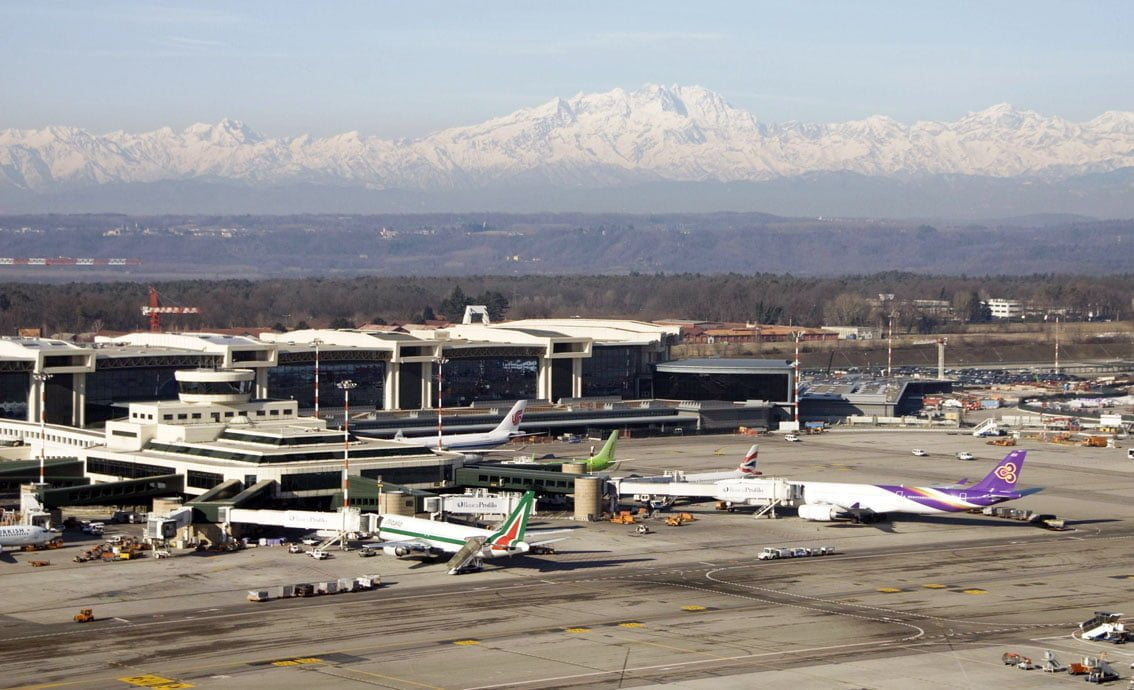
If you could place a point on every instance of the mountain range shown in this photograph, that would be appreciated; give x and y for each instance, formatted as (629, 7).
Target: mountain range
(659, 148)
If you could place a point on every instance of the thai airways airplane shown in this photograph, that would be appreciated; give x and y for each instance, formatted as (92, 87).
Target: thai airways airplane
(508, 428)
(409, 537)
(23, 535)
(827, 501)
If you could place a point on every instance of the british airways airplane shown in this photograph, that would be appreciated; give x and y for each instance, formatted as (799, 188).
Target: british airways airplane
(828, 501)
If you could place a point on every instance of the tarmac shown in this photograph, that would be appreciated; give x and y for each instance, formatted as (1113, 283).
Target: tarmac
(929, 601)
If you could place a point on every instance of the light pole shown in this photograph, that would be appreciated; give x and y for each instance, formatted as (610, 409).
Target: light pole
(890, 346)
(798, 336)
(317, 344)
(41, 381)
(346, 387)
(440, 365)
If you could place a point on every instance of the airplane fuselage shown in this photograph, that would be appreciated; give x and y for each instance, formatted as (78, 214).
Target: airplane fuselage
(441, 536)
(24, 535)
(897, 498)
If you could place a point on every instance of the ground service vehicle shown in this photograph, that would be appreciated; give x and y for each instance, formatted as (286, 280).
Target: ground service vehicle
(792, 437)
(84, 616)
(771, 553)
(920, 452)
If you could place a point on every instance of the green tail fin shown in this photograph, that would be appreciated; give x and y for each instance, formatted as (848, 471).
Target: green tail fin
(605, 457)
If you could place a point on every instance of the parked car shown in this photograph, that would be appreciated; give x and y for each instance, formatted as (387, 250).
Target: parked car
(965, 455)
(295, 548)
(920, 452)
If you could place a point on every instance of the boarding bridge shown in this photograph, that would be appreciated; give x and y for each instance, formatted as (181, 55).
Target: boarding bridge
(765, 493)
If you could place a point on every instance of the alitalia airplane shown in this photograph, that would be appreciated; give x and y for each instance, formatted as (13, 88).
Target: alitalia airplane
(406, 537)
(508, 428)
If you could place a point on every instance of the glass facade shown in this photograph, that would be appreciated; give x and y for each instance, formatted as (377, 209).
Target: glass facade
(297, 382)
(217, 387)
(731, 387)
(203, 480)
(487, 378)
(106, 387)
(14, 389)
(125, 470)
(613, 371)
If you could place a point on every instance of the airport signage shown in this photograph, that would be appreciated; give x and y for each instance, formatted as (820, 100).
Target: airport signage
(480, 505)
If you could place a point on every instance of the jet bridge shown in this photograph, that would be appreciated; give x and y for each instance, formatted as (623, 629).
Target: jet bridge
(766, 493)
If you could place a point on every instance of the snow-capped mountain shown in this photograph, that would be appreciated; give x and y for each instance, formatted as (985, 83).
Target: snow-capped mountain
(604, 141)
(678, 133)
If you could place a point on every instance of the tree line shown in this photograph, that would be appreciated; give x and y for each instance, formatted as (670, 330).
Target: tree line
(287, 304)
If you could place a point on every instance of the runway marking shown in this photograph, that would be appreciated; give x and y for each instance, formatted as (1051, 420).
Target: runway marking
(935, 586)
(152, 681)
(692, 608)
(631, 624)
(301, 661)
(578, 630)
(975, 590)
(466, 643)
(394, 678)
(889, 590)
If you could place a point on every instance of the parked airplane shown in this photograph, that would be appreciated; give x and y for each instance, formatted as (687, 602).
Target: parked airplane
(25, 535)
(746, 469)
(508, 428)
(826, 501)
(416, 537)
(602, 460)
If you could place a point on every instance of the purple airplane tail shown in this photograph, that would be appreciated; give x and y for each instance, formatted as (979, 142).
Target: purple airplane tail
(1003, 477)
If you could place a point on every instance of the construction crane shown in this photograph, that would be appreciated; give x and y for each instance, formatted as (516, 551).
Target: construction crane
(154, 310)
(66, 261)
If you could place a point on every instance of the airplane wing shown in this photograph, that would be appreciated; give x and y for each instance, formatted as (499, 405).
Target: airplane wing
(402, 549)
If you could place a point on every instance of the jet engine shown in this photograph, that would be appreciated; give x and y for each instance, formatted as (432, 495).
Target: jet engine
(398, 551)
(821, 512)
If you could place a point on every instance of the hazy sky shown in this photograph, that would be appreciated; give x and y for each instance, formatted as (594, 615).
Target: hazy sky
(407, 68)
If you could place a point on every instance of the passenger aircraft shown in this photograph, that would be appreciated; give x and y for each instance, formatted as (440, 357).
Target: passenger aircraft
(24, 535)
(747, 468)
(827, 501)
(604, 459)
(406, 537)
(508, 428)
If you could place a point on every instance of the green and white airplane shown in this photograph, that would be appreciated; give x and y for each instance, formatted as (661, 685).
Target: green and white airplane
(602, 460)
(407, 537)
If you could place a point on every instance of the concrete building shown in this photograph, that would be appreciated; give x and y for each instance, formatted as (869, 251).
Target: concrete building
(1006, 308)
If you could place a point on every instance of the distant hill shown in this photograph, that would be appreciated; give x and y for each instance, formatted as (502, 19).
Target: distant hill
(249, 246)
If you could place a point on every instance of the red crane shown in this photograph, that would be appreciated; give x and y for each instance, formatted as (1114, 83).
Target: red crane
(154, 310)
